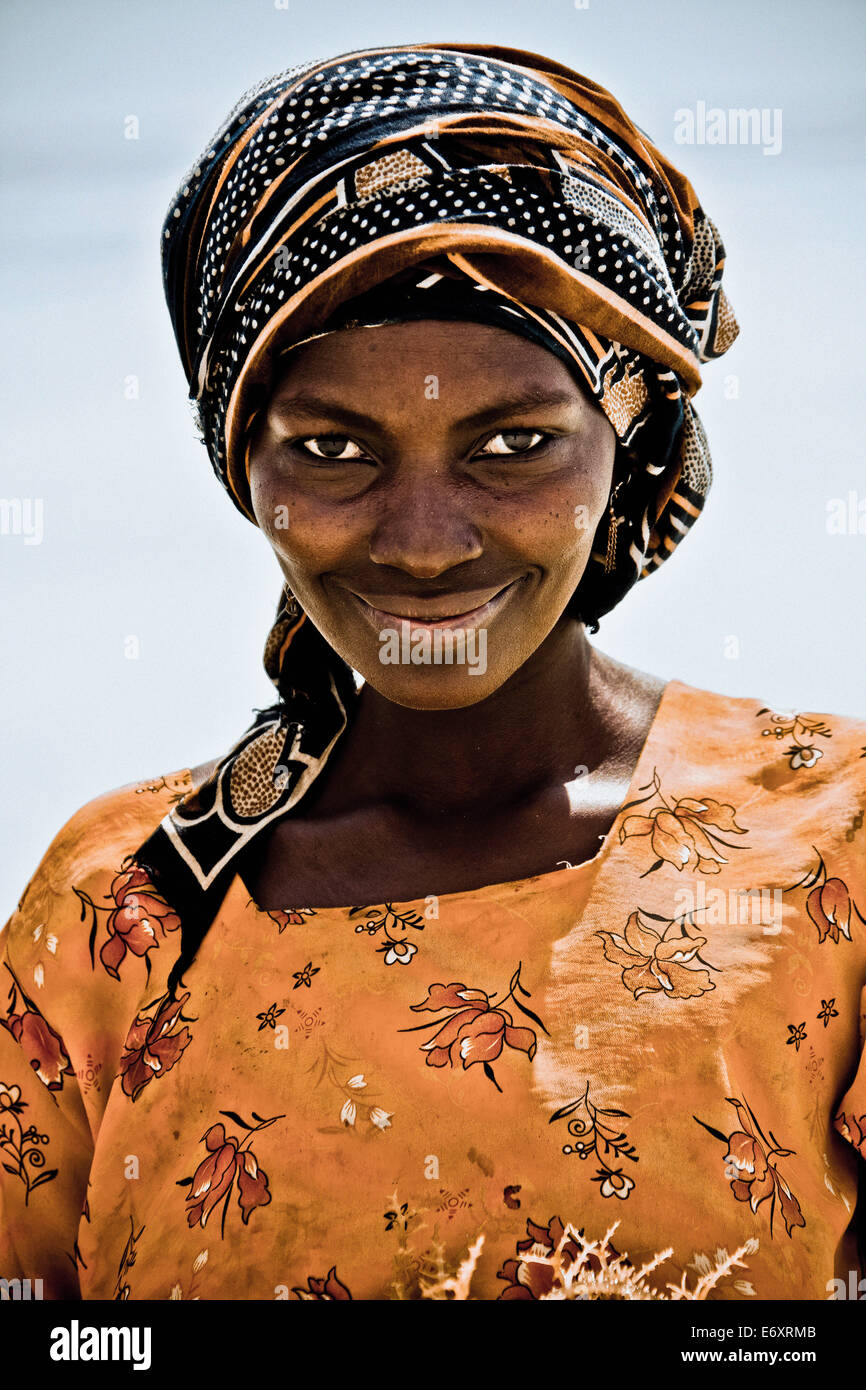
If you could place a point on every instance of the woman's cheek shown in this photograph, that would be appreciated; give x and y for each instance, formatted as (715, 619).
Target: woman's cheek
(283, 517)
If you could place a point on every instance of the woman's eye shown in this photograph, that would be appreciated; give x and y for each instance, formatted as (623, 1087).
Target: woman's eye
(509, 436)
(334, 447)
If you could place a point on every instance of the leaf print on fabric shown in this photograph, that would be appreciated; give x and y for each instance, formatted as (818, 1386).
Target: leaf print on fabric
(473, 1028)
(43, 1048)
(533, 1274)
(22, 1146)
(587, 1128)
(154, 1043)
(396, 947)
(228, 1159)
(804, 751)
(659, 961)
(139, 911)
(683, 831)
(127, 1260)
(324, 1290)
(751, 1166)
(829, 903)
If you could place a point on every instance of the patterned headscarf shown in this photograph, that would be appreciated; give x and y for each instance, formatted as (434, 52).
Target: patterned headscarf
(442, 181)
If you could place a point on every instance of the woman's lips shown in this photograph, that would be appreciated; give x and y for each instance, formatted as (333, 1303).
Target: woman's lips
(472, 609)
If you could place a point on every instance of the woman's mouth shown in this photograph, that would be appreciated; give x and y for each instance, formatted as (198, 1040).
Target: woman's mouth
(468, 609)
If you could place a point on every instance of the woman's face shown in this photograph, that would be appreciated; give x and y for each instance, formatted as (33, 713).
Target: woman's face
(431, 489)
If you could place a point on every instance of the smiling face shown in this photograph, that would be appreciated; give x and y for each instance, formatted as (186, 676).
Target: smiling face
(431, 485)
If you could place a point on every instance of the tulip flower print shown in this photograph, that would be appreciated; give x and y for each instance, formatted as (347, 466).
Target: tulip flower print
(829, 904)
(154, 1043)
(751, 1166)
(228, 1158)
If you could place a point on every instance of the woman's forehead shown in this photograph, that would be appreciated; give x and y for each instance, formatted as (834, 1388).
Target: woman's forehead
(449, 339)
(462, 366)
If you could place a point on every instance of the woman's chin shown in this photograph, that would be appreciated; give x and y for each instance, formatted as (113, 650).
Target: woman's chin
(433, 687)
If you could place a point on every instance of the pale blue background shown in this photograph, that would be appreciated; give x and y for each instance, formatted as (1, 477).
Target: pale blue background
(140, 540)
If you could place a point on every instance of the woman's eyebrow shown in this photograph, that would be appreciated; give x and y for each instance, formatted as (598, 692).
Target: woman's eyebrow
(306, 404)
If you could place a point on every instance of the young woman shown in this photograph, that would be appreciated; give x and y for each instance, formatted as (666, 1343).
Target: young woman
(476, 932)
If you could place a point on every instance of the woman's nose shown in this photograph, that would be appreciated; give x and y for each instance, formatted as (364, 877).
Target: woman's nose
(423, 528)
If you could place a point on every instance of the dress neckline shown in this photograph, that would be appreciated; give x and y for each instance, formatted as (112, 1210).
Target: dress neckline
(551, 879)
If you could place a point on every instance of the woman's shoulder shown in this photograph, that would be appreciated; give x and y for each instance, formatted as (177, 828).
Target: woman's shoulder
(795, 777)
(84, 876)
(761, 730)
(103, 831)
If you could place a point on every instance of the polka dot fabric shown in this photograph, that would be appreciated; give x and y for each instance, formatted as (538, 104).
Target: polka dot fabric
(450, 181)
(333, 177)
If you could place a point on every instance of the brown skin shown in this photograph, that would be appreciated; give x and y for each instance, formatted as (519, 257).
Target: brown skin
(444, 781)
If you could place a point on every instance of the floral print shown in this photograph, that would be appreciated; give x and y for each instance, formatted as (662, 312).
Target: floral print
(22, 1145)
(290, 916)
(396, 948)
(177, 1294)
(47, 943)
(587, 1124)
(354, 1105)
(228, 1159)
(853, 1130)
(472, 1028)
(305, 976)
(803, 751)
(269, 1017)
(658, 962)
(798, 1034)
(43, 1048)
(177, 785)
(398, 1151)
(139, 912)
(827, 1011)
(683, 832)
(379, 1118)
(154, 1043)
(829, 904)
(753, 1158)
(127, 1260)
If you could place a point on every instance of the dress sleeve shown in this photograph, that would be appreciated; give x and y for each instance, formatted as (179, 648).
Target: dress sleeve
(46, 1145)
(66, 999)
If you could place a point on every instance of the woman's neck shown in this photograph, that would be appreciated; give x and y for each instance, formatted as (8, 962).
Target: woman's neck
(545, 722)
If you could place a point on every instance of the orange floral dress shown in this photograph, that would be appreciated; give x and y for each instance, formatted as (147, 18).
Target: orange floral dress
(655, 1058)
